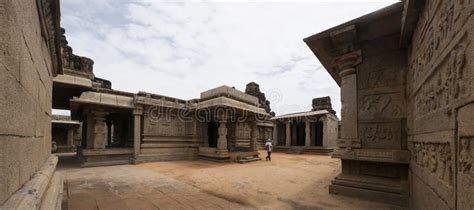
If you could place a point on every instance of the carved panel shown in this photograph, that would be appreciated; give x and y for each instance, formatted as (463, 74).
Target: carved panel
(380, 135)
(440, 22)
(242, 130)
(381, 106)
(435, 158)
(466, 156)
(451, 82)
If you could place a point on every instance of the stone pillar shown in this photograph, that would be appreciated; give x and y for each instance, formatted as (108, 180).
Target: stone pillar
(275, 133)
(70, 136)
(347, 71)
(99, 140)
(205, 134)
(288, 133)
(253, 136)
(109, 132)
(137, 122)
(307, 132)
(222, 139)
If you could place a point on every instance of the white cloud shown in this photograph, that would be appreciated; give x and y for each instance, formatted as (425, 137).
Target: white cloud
(183, 48)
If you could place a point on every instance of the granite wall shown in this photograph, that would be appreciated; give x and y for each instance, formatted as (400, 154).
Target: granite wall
(27, 68)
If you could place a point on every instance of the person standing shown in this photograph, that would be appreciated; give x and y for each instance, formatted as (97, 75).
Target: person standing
(269, 147)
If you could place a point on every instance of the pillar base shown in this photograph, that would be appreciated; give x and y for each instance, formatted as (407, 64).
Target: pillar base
(371, 188)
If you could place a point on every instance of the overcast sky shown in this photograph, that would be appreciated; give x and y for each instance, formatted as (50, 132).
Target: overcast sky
(180, 49)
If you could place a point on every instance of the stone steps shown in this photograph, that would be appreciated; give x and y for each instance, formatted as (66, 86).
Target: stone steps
(296, 150)
(248, 159)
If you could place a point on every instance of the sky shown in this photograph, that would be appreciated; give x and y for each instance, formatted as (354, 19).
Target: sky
(182, 48)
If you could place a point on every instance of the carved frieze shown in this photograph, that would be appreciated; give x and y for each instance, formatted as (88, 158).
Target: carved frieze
(438, 25)
(435, 158)
(466, 155)
(450, 82)
(381, 106)
(242, 130)
(380, 135)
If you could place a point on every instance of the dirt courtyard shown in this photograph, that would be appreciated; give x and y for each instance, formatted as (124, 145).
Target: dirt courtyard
(286, 182)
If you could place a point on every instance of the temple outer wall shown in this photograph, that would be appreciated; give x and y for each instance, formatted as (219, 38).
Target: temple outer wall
(26, 74)
(330, 132)
(441, 107)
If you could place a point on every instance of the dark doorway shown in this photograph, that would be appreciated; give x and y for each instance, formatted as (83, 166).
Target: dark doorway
(318, 133)
(300, 134)
(212, 128)
(281, 134)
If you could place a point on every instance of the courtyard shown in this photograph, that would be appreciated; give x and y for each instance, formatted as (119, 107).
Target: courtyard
(287, 182)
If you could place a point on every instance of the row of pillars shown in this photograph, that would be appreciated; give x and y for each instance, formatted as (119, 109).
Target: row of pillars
(97, 130)
(290, 131)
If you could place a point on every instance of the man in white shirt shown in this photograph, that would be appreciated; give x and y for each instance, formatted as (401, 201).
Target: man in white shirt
(269, 147)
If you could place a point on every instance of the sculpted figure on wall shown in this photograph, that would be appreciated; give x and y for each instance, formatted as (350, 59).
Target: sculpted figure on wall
(466, 156)
(434, 157)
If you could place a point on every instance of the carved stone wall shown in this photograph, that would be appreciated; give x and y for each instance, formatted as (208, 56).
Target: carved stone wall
(381, 94)
(439, 82)
(170, 137)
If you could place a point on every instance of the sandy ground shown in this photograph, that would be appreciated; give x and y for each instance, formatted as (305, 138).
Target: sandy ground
(286, 182)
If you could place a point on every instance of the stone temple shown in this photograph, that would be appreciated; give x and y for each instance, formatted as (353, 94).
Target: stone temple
(405, 137)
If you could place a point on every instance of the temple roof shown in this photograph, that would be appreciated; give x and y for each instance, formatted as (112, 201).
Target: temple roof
(338, 41)
(301, 114)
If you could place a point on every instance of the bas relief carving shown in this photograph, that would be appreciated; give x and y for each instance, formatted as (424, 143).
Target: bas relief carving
(439, 24)
(380, 135)
(380, 105)
(434, 157)
(450, 83)
(243, 130)
(466, 156)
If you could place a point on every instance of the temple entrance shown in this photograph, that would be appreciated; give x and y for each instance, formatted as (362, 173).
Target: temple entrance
(212, 133)
(300, 134)
(281, 134)
(317, 137)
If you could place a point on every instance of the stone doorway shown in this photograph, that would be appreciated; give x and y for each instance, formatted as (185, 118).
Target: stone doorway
(317, 137)
(299, 134)
(212, 133)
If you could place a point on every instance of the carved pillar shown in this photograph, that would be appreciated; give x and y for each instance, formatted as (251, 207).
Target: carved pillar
(109, 132)
(99, 131)
(275, 133)
(346, 65)
(137, 124)
(222, 139)
(253, 136)
(288, 133)
(70, 136)
(307, 132)
(205, 134)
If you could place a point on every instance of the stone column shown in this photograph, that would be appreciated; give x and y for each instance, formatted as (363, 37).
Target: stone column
(307, 132)
(275, 133)
(347, 71)
(99, 140)
(137, 124)
(222, 139)
(253, 136)
(109, 132)
(70, 136)
(288, 133)
(205, 134)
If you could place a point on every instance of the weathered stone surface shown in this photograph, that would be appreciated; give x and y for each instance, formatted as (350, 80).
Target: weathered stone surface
(253, 89)
(322, 103)
(29, 58)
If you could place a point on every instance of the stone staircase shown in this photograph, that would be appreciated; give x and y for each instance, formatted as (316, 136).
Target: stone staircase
(296, 150)
(248, 159)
